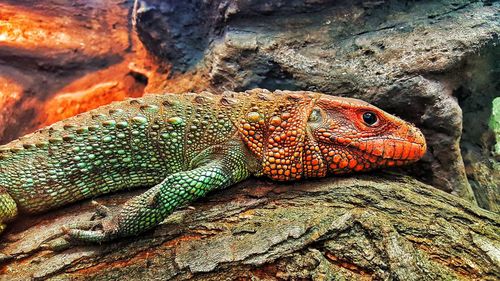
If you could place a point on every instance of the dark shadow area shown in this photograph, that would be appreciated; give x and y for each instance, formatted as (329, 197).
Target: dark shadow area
(479, 86)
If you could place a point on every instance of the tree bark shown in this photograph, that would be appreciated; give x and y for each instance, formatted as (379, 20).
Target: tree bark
(387, 227)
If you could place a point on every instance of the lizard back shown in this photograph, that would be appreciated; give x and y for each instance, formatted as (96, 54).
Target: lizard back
(137, 142)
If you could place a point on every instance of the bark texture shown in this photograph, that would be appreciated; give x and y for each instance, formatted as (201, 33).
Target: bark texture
(386, 227)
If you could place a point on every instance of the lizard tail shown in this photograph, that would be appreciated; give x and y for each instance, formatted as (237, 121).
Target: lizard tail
(8, 207)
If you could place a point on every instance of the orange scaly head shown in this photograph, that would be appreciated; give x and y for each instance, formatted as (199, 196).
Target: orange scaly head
(306, 134)
(346, 135)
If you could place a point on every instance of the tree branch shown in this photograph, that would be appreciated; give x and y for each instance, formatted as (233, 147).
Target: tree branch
(352, 228)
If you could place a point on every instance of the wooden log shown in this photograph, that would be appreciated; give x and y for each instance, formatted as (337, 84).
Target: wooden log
(387, 227)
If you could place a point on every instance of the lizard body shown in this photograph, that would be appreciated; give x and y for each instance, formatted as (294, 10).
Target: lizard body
(184, 146)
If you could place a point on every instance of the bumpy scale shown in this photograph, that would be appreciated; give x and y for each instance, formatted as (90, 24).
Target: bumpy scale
(185, 146)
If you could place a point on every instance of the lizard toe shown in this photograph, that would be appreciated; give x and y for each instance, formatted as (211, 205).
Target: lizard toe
(95, 231)
(90, 236)
(58, 244)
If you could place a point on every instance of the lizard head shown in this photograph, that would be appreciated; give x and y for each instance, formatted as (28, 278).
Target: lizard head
(345, 135)
(308, 134)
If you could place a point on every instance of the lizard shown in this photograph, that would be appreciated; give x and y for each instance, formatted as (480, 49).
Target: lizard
(183, 146)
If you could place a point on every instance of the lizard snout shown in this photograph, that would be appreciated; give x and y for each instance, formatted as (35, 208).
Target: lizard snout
(407, 145)
(416, 144)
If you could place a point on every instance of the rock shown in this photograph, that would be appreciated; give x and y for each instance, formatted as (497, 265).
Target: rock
(71, 58)
(483, 170)
(478, 89)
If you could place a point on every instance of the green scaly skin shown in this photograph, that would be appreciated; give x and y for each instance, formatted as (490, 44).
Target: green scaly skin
(182, 146)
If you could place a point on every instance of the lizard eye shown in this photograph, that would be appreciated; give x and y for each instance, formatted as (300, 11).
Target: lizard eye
(315, 115)
(370, 118)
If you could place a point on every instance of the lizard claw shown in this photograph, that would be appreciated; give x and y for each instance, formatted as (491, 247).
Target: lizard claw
(86, 225)
(102, 230)
(65, 238)
(98, 229)
(101, 211)
(95, 230)
(57, 242)
(64, 229)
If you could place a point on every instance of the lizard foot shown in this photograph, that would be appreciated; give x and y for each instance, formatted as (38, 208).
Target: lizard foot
(104, 230)
(100, 228)
(61, 240)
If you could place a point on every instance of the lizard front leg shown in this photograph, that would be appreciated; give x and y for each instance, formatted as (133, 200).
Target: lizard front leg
(221, 168)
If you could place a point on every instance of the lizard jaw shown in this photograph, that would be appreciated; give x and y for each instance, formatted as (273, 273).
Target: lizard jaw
(363, 155)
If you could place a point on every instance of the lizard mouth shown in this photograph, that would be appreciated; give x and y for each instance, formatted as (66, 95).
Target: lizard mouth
(409, 148)
(394, 149)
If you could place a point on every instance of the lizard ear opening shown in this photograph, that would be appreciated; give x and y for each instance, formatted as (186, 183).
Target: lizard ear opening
(316, 115)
